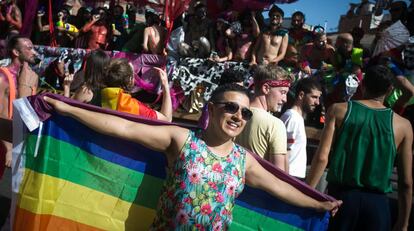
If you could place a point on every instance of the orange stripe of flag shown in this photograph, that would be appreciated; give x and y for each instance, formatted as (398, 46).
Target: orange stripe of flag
(45, 222)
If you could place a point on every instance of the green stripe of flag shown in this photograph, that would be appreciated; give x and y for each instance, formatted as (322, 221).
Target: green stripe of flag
(66, 161)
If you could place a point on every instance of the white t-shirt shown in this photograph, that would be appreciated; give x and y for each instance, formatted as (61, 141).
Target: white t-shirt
(296, 142)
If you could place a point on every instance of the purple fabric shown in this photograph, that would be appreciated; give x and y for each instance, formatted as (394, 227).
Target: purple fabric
(177, 96)
(203, 120)
(303, 187)
(143, 65)
(30, 11)
(44, 111)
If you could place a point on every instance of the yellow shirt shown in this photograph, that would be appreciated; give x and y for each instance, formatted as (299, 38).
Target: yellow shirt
(264, 134)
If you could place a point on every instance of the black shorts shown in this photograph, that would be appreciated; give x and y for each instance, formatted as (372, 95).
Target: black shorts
(362, 209)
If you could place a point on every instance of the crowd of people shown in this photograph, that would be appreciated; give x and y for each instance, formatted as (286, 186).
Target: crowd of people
(287, 77)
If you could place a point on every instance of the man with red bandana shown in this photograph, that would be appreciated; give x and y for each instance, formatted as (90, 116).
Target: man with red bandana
(265, 134)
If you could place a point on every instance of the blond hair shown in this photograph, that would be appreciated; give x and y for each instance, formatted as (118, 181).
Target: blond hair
(264, 73)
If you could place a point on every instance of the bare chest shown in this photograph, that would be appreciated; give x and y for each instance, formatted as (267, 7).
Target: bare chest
(272, 40)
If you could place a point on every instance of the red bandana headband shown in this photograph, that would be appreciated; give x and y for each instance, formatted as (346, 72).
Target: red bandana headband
(277, 83)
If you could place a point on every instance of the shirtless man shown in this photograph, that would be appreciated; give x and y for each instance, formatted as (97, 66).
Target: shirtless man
(98, 30)
(64, 33)
(17, 80)
(154, 35)
(271, 45)
(366, 139)
(244, 39)
(198, 34)
(317, 55)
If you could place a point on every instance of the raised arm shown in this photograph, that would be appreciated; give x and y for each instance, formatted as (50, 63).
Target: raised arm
(167, 139)
(40, 26)
(67, 82)
(255, 25)
(256, 47)
(17, 19)
(258, 177)
(166, 107)
(88, 26)
(405, 178)
(320, 159)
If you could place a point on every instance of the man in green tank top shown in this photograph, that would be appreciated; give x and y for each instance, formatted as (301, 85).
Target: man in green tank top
(369, 138)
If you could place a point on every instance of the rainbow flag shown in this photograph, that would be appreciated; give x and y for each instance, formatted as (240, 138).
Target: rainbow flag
(67, 176)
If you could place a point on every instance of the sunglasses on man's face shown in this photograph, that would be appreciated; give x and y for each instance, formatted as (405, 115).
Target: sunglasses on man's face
(233, 108)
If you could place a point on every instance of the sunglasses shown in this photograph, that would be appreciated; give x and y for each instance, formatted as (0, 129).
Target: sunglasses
(233, 108)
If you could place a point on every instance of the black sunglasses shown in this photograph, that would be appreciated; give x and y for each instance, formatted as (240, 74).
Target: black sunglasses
(233, 108)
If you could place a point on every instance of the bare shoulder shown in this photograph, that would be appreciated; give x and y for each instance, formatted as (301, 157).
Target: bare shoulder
(147, 29)
(338, 110)
(179, 136)
(336, 114)
(180, 133)
(330, 49)
(402, 126)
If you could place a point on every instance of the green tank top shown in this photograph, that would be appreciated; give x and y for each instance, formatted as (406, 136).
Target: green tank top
(364, 150)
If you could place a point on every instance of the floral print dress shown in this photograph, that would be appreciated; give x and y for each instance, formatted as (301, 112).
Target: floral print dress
(201, 188)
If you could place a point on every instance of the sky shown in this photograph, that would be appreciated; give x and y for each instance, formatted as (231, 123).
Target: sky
(317, 11)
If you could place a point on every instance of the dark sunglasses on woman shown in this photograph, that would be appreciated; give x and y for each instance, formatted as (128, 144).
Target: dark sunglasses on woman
(233, 108)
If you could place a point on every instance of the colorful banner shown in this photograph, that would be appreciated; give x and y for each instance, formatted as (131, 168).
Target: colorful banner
(68, 176)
